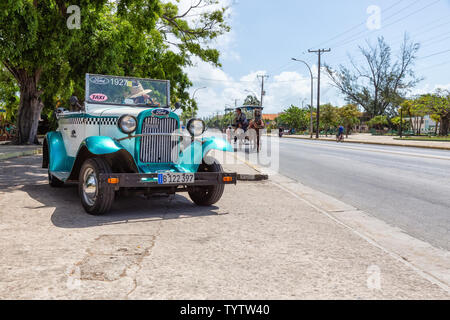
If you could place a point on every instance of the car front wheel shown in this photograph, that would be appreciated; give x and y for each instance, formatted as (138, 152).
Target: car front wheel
(207, 195)
(96, 198)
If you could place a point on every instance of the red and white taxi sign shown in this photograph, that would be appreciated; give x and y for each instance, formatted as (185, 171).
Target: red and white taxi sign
(98, 97)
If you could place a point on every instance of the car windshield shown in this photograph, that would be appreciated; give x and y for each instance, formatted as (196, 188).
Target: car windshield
(127, 91)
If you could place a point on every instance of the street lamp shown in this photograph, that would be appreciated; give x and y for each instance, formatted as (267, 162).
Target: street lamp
(195, 91)
(229, 109)
(312, 96)
(193, 98)
(303, 102)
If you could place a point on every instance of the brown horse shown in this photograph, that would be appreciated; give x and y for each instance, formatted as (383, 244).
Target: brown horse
(257, 125)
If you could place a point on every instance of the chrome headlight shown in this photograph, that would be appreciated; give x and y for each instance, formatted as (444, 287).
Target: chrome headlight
(127, 124)
(196, 127)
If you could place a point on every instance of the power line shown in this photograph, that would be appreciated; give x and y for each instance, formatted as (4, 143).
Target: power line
(364, 31)
(434, 54)
(355, 27)
(447, 36)
(283, 67)
(352, 39)
(434, 66)
(340, 57)
(230, 81)
(427, 44)
(400, 11)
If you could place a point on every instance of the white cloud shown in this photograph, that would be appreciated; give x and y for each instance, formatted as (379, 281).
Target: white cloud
(429, 88)
(225, 43)
(282, 90)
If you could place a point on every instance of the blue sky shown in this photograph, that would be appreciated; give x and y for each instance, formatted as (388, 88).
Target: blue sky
(266, 34)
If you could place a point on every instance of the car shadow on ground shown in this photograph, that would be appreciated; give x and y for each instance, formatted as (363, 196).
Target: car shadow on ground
(25, 174)
(21, 171)
(69, 212)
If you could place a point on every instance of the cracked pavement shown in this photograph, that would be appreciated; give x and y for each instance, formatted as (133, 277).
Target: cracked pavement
(258, 242)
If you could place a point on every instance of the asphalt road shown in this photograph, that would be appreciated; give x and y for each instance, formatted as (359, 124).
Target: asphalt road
(406, 187)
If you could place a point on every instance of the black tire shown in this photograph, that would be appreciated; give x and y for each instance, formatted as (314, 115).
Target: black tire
(100, 200)
(207, 195)
(53, 181)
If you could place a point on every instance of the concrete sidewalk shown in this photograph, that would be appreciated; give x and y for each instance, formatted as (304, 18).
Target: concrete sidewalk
(8, 151)
(260, 241)
(380, 140)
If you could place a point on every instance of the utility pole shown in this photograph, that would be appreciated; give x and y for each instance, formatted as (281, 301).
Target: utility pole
(262, 88)
(319, 53)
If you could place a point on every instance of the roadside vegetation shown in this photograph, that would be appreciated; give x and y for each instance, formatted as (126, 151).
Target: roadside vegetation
(381, 86)
(43, 61)
(378, 93)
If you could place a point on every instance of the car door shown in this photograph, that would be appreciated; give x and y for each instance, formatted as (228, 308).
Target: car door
(72, 128)
(77, 131)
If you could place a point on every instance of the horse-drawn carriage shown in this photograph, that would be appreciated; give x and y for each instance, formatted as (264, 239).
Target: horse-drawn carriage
(249, 133)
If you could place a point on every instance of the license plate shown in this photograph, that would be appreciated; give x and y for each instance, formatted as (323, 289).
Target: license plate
(175, 177)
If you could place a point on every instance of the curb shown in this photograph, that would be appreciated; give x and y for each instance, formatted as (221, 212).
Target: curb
(374, 143)
(18, 154)
(252, 177)
(375, 231)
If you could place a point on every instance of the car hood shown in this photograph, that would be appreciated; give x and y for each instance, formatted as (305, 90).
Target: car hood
(117, 111)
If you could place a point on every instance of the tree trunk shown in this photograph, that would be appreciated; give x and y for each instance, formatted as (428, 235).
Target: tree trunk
(29, 111)
(445, 124)
(420, 125)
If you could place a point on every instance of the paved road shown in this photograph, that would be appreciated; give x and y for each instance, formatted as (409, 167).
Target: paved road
(406, 187)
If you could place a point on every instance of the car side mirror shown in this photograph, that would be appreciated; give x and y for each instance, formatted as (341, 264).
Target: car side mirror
(177, 105)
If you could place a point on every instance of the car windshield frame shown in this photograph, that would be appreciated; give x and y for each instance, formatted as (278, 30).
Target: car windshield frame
(88, 94)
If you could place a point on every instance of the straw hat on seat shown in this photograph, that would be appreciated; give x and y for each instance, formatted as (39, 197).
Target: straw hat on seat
(137, 91)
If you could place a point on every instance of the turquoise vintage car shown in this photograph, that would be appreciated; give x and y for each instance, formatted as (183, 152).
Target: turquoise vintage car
(126, 139)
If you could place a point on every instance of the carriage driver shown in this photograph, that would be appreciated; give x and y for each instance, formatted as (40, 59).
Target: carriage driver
(241, 120)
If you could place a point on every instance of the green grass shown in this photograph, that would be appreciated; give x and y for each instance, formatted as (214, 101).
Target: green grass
(426, 138)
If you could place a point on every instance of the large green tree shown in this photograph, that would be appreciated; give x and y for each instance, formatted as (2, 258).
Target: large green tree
(379, 83)
(348, 116)
(436, 105)
(328, 116)
(294, 118)
(144, 38)
(251, 100)
(439, 104)
(9, 101)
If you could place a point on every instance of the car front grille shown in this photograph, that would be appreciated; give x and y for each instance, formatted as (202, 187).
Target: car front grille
(159, 148)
